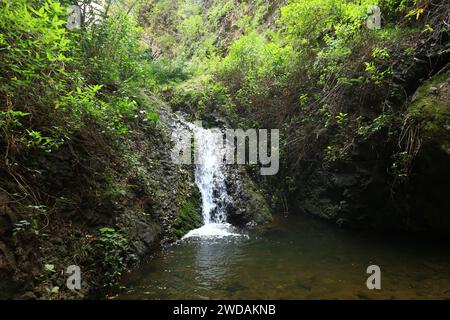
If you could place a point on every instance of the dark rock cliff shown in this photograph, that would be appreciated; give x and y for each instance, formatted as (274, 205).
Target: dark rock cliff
(363, 189)
(249, 205)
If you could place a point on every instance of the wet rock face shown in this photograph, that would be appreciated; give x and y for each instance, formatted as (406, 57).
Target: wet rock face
(248, 205)
(354, 193)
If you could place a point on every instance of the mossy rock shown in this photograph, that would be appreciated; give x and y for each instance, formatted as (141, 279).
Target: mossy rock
(189, 215)
(430, 113)
(430, 110)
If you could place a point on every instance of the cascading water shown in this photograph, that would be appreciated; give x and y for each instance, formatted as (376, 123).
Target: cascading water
(210, 174)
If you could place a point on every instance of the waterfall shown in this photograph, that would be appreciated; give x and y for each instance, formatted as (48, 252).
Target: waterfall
(210, 175)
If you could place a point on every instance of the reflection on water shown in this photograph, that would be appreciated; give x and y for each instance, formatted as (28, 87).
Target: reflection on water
(210, 266)
(296, 258)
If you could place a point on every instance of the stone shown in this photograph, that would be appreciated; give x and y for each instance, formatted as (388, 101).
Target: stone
(249, 206)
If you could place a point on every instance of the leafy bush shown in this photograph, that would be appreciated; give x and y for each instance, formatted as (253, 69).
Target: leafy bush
(53, 81)
(253, 66)
(202, 96)
(33, 43)
(114, 51)
(113, 246)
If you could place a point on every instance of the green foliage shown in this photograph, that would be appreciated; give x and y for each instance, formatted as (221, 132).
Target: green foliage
(380, 53)
(54, 82)
(376, 69)
(61, 87)
(199, 30)
(395, 9)
(331, 153)
(35, 52)
(12, 118)
(114, 246)
(312, 45)
(202, 95)
(401, 164)
(33, 43)
(376, 74)
(252, 57)
(168, 72)
(255, 65)
(379, 123)
(42, 142)
(20, 226)
(308, 22)
(86, 103)
(416, 13)
(341, 119)
(114, 51)
(290, 182)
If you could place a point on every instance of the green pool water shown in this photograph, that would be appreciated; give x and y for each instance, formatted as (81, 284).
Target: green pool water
(297, 257)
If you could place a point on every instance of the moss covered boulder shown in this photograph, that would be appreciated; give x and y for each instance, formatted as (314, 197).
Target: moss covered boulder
(190, 212)
(429, 111)
(429, 115)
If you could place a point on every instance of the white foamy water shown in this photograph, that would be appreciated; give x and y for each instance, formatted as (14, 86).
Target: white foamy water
(213, 230)
(210, 177)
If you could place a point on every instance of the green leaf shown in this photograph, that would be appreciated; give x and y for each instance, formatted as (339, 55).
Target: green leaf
(49, 267)
(153, 116)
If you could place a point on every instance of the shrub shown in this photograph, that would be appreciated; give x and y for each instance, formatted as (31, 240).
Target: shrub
(114, 52)
(113, 247)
